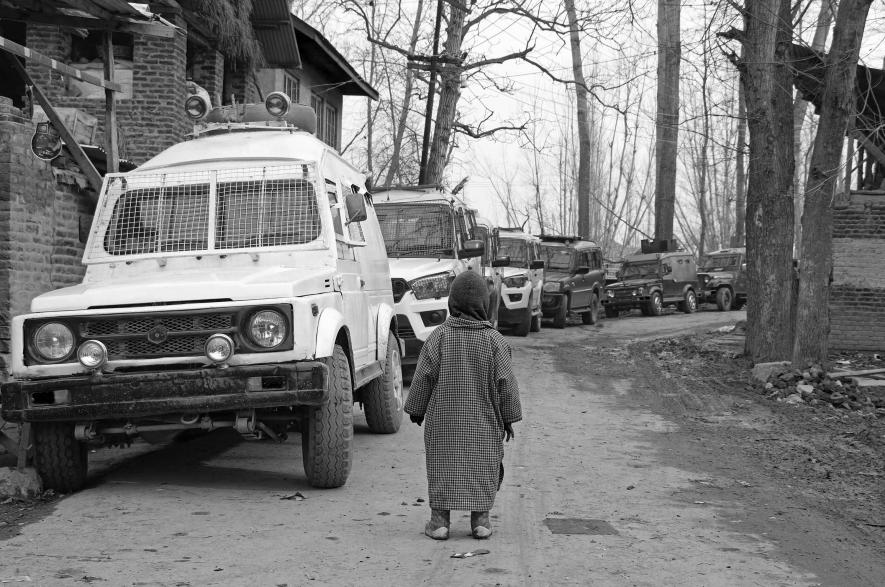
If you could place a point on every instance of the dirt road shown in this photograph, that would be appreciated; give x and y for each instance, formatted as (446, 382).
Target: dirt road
(607, 483)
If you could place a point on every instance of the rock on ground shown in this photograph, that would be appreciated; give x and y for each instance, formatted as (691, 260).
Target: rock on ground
(23, 484)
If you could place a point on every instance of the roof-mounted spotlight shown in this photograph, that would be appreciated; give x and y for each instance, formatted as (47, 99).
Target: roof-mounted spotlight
(198, 104)
(277, 104)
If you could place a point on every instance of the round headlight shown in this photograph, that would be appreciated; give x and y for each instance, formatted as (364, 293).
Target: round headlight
(277, 104)
(219, 348)
(610, 293)
(53, 341)
(92, 354)
(267, 328)
(197, 106)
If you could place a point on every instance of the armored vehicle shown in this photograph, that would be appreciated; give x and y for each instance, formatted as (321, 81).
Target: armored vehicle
(239, 280)
(722, 278)
(658, 276)
(574, 279)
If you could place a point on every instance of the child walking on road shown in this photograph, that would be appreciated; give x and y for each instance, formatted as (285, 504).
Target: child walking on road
(465, 388)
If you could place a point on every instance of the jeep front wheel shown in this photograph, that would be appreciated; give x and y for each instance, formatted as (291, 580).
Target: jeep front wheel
(327, 436)
(383, 397)
(61, 460)
(690, 304)
(655, 305)
(561, 313)
(611, 312)
(525, 323)
(724, 299)
(592, 316)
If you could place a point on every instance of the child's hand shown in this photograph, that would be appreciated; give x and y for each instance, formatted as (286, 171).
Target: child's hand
(416, 419)
(508, 432)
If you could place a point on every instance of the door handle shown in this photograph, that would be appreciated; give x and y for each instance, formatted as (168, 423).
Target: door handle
(362, 283)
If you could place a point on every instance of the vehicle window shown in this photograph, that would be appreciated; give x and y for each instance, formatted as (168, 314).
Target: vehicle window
(416, 229)
(721, 263)
(332, 194)
(558, 258)
(645, 270)
(596, 260)
(517, 250)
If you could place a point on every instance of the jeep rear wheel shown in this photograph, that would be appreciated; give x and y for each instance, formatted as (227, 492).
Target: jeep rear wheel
(592, 316)
(724, 299)
(383, 397)
(561, 313)
(690, 304)
(327, 436)
(61, 460)
(655, 305)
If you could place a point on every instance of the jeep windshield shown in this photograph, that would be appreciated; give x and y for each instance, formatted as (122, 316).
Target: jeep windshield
(559, 258)
(417, 229)
(516, 249)
(721, 263)
(647, 270)
(220, 210)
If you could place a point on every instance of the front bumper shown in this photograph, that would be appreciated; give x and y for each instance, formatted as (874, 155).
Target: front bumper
(624, 303)
(138, 395)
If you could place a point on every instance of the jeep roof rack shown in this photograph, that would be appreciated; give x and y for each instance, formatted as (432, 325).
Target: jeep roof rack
(560, 238)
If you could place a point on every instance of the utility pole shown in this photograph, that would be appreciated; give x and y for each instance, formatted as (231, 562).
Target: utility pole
(431, 94)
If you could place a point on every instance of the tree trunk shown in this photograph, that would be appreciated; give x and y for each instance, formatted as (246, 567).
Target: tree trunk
(837, 107)
(393, 168)
(740, 194)
(766, 44)
(800, 106)
(667, 123)
(583, 123)
(449, 93)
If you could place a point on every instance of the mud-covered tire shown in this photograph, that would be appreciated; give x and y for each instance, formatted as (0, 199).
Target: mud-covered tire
(524, 325)
(536, 322)
(724, 299)
(561, 314)
(655, 306)
(60, 459)
(690, 304)
(611, 312)
(383, 397)
(592, 316)
(327, 434)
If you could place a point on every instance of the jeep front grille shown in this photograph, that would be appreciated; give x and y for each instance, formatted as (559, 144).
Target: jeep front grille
(141, 325)
(400, 287)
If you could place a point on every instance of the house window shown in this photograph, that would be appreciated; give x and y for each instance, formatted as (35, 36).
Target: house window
(292, 87)
(330, 118)
(317, 104)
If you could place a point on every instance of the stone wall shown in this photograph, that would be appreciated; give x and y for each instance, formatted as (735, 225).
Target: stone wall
(857, 297)
(41, 205)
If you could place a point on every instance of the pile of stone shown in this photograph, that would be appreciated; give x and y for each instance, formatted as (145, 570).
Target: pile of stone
(815, 386)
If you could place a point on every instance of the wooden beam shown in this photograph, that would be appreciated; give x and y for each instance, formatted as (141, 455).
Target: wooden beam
(16, 49)
(868, 145)
(110, 108)
(151, 29)
(85, 163)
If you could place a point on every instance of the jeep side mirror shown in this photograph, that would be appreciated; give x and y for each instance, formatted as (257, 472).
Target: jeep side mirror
(537, 264)
(501, 262)
(355, 203)
(582, 270)
(472, 248)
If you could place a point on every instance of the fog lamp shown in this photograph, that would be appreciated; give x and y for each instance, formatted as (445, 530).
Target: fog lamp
(92, 354)
(277, 104)
(219, 348)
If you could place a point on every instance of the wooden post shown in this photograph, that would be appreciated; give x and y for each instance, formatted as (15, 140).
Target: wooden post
(110, 108)
(25, 445)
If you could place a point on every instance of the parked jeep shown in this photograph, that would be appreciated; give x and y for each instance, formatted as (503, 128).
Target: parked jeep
(653, 279)
(491, 263)
(722, 278)
(574, 279)
(430, 238)
(237, 280)
(522, 281)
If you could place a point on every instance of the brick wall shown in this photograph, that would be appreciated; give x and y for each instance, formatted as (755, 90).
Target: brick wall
(153, 118)
(208, 72)
(40, 209)
(857, 298)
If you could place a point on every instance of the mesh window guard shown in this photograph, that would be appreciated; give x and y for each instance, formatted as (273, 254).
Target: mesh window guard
(416, 230)
(201, 211)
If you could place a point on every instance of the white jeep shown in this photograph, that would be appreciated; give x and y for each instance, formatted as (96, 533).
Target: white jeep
(522, 281)
(239, 280)
(431, 237)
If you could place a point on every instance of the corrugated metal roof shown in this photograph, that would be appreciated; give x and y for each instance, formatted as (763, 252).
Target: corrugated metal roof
(273, 28)
(119, 8)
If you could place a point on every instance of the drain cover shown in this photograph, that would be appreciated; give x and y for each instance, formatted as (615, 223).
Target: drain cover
(579, 526)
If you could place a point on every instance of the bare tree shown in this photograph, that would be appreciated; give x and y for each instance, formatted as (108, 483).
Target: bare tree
(766, 39)
(583, 123)
(837, 106)
(667, 120)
